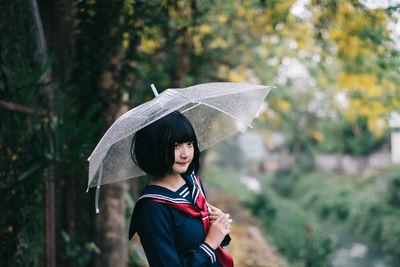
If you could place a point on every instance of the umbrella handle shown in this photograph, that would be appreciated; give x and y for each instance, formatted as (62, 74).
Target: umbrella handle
(97, 199)
(98, 189)
(154, 89)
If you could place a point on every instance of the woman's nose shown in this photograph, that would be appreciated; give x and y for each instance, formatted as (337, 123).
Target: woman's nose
(184, 151)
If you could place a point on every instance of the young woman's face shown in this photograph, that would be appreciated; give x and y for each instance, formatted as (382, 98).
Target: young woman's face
(183, 157)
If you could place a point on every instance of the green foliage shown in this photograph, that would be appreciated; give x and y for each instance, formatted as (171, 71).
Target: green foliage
(262, 207)
(27, 140)
(318, 248)
(393, 185)
(225, 178)
(23, 145)
(300, 220)
(291, 228)
(366, 207)
(376, 213)
(295, 231)
(343, 136)
(78, 253)
(283, 182)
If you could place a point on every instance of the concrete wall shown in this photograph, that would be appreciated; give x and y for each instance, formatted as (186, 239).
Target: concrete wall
(354, 164)
(254, 149)
(395, 147)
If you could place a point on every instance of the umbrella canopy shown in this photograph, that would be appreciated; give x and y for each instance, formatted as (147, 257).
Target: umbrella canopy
(216, 111)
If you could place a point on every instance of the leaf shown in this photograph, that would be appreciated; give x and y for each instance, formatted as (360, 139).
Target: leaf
(65, 236)
(31, 170)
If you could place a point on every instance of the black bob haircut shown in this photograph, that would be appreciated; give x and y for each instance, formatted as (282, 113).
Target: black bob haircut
(153, 147)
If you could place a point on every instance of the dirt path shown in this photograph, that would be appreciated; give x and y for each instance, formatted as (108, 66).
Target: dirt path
(248, 246)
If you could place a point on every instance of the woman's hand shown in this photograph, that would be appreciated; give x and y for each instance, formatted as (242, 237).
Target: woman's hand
(218, 230)
(214, 213)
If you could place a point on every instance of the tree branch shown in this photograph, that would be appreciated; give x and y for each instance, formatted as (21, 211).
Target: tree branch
(23, 109)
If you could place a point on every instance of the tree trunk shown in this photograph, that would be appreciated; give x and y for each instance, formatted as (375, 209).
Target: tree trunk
(95, 79)
(111, 236)
(109, 225)
(50, 231)
(183, 63)
(185, 46)
(59, 21)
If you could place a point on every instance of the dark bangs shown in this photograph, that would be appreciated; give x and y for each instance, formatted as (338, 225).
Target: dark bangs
(183, 131)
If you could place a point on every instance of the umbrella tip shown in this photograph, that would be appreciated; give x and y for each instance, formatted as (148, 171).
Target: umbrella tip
(154, 89)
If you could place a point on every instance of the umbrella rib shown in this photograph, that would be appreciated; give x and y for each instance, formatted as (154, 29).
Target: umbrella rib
(214, 107)
(198, 103)
(223, 111)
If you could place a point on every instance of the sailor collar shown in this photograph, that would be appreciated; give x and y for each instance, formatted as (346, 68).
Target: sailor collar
(164, 194)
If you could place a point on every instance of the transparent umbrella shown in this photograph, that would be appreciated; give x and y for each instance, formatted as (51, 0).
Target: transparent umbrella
(216, 111)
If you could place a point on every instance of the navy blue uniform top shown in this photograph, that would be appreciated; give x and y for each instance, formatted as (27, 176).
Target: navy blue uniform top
(170, 237)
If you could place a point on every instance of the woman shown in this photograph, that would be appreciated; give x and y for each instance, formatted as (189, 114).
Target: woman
(176, 225)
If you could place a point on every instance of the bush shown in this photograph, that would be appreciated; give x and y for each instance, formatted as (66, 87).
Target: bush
(294, 231)
(393, 194)
(368, 207)
(317, 249)
(283, 182)
(263, 207)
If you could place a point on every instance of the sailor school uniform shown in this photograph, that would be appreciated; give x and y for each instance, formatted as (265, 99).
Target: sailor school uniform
(172, 227)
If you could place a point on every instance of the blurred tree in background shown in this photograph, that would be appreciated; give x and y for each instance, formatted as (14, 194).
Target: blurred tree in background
(336, 68)
(24, 144)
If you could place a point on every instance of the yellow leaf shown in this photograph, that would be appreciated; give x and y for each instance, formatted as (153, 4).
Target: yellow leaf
(235, 76)
(317, 135)
(284, 105)
(219, 43)
(223, 71)
(204, 29)
(198, 48)
(223, 18)
(149, 45)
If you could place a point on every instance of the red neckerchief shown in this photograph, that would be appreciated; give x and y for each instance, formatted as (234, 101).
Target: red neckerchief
(224, 258)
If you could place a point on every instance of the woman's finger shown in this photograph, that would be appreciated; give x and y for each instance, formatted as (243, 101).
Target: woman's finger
(214, 208)
(220, 219)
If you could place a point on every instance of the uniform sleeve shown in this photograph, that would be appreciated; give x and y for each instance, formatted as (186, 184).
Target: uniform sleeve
(156, 235)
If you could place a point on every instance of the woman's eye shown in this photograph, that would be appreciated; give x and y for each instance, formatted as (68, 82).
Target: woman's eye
(177, 145)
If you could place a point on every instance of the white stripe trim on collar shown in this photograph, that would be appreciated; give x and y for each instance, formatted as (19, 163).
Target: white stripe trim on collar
(185, 195)
(184, 191)
(196, 190)
(194, 186)
(161, 197)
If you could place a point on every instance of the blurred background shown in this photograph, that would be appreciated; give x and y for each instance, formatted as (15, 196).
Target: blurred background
(315, 183)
